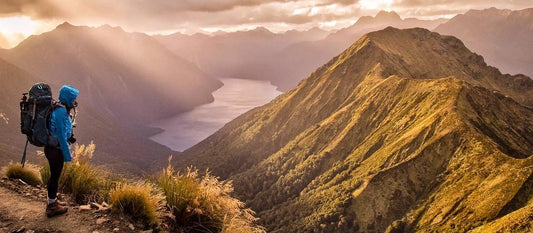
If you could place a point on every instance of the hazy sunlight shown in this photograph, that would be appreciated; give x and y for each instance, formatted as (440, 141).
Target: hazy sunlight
(17, 28)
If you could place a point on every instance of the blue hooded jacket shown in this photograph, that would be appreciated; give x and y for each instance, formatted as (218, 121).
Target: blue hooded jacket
(60, 122)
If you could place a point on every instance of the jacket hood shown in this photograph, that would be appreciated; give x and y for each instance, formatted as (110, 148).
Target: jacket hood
(67, 95)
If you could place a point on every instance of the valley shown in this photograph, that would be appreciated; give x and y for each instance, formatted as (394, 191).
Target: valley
(236, 97)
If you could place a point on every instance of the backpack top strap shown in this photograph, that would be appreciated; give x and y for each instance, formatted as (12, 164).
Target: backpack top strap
(57, 104)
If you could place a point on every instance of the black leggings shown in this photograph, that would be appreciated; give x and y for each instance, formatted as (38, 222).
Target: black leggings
(55, 159)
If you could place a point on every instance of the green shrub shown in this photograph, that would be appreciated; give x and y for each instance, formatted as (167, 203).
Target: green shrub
(80, 178)
(204, 204)
(27, 174)
(138, 201)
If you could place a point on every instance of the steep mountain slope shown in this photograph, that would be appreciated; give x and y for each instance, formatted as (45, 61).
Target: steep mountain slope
(12, 79)
(125, 80)
(406, 130)
(240, 54)
(112, 68)
(298, 60)
(502, 37)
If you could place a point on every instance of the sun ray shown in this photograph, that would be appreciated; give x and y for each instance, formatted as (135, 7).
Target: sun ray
(17, 28)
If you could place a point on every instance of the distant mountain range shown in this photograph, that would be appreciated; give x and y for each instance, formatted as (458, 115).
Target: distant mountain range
(126, 80)
(243, 54)
(503, 37)
(406, 130)
(284, 59)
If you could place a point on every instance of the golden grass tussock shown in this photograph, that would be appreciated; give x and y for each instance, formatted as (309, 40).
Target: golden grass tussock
(204, 203)
(80, 178)
(28, 174)
(140, 201)
(238, 224)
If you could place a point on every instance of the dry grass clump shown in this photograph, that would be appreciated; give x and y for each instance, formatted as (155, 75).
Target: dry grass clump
(240, 225)
(28, 174)
(79, 177)
(138, 200)
(203, 203)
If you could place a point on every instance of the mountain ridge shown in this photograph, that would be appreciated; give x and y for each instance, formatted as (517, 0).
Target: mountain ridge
(370, 140)
(500, 35)
(488, 77)
(304, 57)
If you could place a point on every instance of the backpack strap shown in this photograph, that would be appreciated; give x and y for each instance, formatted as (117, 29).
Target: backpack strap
(33, 112)
(55, 105)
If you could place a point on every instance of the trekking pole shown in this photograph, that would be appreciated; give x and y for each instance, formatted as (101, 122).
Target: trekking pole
(23, 161)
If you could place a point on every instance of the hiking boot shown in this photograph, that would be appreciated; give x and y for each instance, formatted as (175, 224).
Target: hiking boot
(61, 203)
(55, 209)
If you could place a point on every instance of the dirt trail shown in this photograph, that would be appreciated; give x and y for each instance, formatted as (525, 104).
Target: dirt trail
(22, 210)
(17, 211)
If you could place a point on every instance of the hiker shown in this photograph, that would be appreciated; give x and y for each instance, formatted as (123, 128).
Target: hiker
(60, 129)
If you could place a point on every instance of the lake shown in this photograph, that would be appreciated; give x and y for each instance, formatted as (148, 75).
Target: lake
(236, 97)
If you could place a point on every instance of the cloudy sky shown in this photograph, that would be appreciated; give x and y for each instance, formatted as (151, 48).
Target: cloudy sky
(21, 18)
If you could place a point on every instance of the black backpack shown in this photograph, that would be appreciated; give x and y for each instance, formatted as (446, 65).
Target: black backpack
(35, 114)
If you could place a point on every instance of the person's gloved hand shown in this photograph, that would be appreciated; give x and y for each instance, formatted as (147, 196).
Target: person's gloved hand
(71, 140)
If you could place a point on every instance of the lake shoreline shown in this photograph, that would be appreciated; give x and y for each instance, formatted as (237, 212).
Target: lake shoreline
(234, 98)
